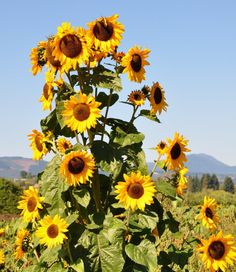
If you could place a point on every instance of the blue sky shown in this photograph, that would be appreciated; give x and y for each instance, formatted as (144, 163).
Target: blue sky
(193, 56)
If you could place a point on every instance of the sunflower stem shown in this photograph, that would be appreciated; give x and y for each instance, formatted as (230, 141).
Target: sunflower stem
(155, 166)
(132, 117)
(81, 83)
(77, 138)
(36, 255)
(128, 218)
(96, 191)
(69, 252)
(106, 113)
(69, 78)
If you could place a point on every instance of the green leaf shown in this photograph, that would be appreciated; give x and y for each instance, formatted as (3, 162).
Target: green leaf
(78, 266)
(50, 255)
(148, 220)
(147, 114)
(57, 267)
(71, 218)
(114, 167)
(124, 139)
(104, 98)
(165, 188)
(103, 151)
(179, 257)
(82, 196)
(144, 254)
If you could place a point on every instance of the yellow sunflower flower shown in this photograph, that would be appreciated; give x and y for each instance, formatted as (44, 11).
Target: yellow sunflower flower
(157, 99)
(22, 243)
(81, 112)
(208, 214)
(77, 167)
(70, 47)
(161, 148)
(182, 182)
(63, 145)
(51, 61)
(38, 57)
(47, 96)
(137, 98)
(136, 191)
(30, 204)
(134, 62)
(2, 258)
(218, 252)
(38, 144)
(175, 156)
(2, 232)
(51, 231)
(105, 33)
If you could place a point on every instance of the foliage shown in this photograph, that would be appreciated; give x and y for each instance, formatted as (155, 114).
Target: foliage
(228, 185)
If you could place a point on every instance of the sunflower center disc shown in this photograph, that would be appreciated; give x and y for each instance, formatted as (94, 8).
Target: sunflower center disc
(76, 165)
(50, 57)
(137, 97)
(216, 250)
(52, 231)
(70, 46)
(175, 151)
(103, 31)
(31, 204)
(65, 145)
(136, 63)
(81, 112)
(25, 244)
(46, 91)
(162, 145)
(135, 190)
(209, 213)
(158, 95)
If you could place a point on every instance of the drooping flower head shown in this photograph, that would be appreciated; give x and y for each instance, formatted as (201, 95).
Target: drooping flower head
(63, 144)
(136, 191)
(38, 57)
(38, 144)
(161, 148)
(218, 252)
(137, 98)
(157, 99)
(77, 167)
(21, 243)
(181, 181)
(175, 154)
(52, 231)
(81, 112)
(105, 33)
(70, 47)
(208, 214)
(30, 204)
(134, 62)
(51, 61)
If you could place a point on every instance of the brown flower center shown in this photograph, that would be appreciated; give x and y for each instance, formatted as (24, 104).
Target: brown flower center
(31, 204)
(52, 231)
(71, 46)
(162, 145)
(76, 165)
(216, 250)
(46, 91)
(38, 143)
(50, 57)
(81, 112)
(66, 145)
(137, 97)
(175, 151)
(103, 30)
(158, 95)
(25, 244)
(135, 190)
(136, 63)
(209, 213)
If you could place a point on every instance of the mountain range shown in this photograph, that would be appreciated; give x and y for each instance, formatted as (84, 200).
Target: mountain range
(11, 167)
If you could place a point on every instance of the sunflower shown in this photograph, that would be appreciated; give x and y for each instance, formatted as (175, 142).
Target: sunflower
(146, 90)
(47, 96)
(38, 144)
(38, 57)
(175, 156)
(182, 182)
(161, 148)
(105, 33)
(51, 231)
(136, 191)
(2, 232)
(134, 62)
(157, 99)
(81, 112)
(70, 47)
(30, 204)
(51, 61)
(2, 258)
(77, 167)
(208, 214)
(137, 98)
(63, 145)
(218, 252)
(22, 243)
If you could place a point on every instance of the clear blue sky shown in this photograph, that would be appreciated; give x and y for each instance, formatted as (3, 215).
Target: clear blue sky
(193, 55)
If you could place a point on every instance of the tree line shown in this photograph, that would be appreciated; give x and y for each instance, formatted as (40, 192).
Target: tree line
(208, 181)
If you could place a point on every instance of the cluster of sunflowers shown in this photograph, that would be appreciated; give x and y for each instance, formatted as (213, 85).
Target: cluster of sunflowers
(95, 206)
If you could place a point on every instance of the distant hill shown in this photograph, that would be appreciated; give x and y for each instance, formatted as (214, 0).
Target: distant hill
(10, 167)
(203, 163)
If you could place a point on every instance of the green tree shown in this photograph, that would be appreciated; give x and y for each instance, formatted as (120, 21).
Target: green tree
(23, 174)
(213, 183)
(195, 184)
(228, 185)
(205, 179)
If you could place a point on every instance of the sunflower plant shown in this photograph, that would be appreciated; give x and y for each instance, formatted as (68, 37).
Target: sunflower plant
(97, 206)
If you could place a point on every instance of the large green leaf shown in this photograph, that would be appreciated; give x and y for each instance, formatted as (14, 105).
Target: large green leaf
(78, 266)
(165, 188)
(103, 151)
(82, 196)
(144, 254)
(147, 114)
(124, 139)
(104, 98)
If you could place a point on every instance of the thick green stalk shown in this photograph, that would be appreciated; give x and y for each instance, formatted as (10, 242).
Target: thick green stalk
(106, 113)
(96, 191)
